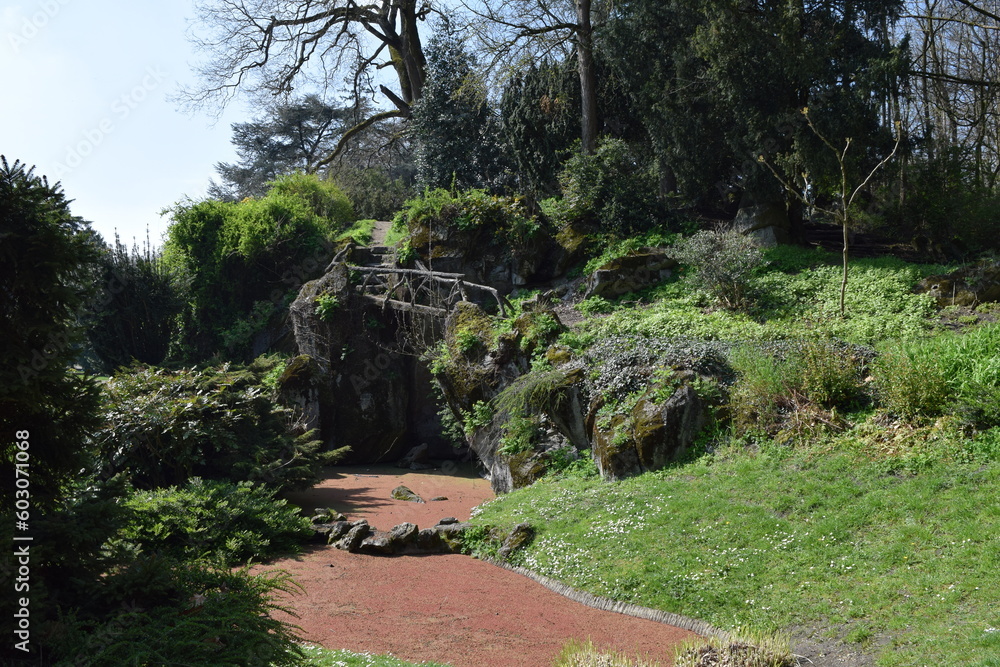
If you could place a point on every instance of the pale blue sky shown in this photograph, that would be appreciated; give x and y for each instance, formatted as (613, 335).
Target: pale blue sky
(83, 88)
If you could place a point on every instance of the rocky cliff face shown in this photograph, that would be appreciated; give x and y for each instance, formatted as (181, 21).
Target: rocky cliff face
(631, 413)
(351, 379)
(359, 380)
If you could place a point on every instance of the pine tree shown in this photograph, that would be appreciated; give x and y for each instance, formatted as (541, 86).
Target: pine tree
(47, 258)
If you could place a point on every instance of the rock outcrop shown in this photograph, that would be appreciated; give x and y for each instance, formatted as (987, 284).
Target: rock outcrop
(968, 286)
(631, 273)
(350, 380)
(768, 222)
(651, 435)
(478, 254)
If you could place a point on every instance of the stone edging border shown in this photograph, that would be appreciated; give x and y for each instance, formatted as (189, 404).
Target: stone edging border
(607, 604)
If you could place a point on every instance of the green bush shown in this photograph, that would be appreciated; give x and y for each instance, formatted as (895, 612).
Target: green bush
(762, 395)
(225, 522)
(480, 416)
(799, 304)
(235, 255)
(911, 381)
(595, 305)
(504, 219)
(830, 373)
(323, 197)
(612, 188)
(723, 264)
(784, 388)
(157, 611)
(163, 427)
(957, 372)
(613, 247)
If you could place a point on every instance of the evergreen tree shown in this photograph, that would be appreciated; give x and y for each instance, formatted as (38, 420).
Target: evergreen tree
(719, 82)
(47, 259)
(291, 137)
(540, 121)
(456, 131)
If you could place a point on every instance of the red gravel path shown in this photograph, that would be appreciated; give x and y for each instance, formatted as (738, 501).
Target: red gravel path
(446, 608)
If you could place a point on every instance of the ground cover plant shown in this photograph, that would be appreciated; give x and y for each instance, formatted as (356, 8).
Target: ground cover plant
(797, 295)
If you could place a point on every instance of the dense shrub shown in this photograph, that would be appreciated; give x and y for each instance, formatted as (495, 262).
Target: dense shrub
(242, 258)
(954, 372)
(163, 427)
(785, 388)
(135, 320)
(501, 219)
(723, 263)
(324, 198)
(225, 522)
(158, 611)
(613, 187)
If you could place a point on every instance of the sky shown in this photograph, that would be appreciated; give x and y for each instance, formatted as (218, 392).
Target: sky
(84, 87)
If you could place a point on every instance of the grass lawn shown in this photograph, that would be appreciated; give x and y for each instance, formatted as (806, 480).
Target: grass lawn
(905, 566)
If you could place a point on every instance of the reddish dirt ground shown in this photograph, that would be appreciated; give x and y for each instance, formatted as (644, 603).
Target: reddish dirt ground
(448, 608)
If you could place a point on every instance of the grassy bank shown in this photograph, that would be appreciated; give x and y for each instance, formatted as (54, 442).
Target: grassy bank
(904, 566)
(873, 524)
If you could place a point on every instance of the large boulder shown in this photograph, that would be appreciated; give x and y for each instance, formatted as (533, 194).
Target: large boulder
(651, 435)
(630, 274)
(479, 370)
(663, 432)
(350, 382)
(968, 286)
(768, 222)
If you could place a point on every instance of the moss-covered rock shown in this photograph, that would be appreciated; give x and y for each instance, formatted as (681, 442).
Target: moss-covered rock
(630, 273)
(656, 428)
(968, 286)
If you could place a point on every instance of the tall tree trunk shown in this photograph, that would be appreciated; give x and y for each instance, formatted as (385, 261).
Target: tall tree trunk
(406, 52)
(413, 53)
(588, 78)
